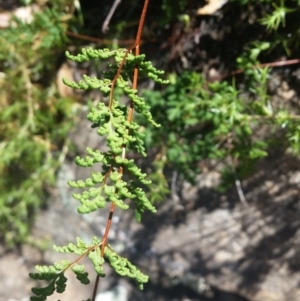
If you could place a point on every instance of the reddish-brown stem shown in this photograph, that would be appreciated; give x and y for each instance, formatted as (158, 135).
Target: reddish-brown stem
(130, 113)
(95, 288)
(136, 46)
(107, 228)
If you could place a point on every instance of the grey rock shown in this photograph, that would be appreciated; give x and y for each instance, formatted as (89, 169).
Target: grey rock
(118, 293)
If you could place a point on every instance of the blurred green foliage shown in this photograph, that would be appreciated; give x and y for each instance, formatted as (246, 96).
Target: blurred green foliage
(200, 122)
(234, 123)
(34, 120)
(172, 10)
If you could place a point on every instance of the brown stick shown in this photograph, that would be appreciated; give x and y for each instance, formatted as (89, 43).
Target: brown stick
(109, 16)
(272, 64)
(99, 41)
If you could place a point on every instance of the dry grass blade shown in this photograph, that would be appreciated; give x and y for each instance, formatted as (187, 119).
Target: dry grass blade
(211, 7)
